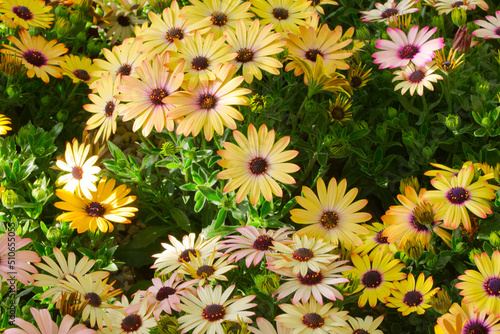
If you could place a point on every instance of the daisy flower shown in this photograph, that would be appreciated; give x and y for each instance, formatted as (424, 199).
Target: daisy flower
(312, 318)
(145, 95)
(120, 23)
(47, 326)
(471, 321)
(205, 270)
(391, 8)
(78, 69)
(448, 63)
(26, 13)
(362, 326)
(255, 163)
(315, 5)
(176, 254)
(331, 215)
(4, 122)
(413, 220)
(482, 288)
(81, 172)
(303, 254)
(446, 6)
(286, 15)
(254, 47)
(38, 56)
(457, 194)
(490, 28)
(415, 78)
(415, 48)
(106, 205)
(265, 327)
(216, 15)
(358, 77)
(21, 261)
(446, 327)
(376, 276)
(339, 110)
(375, 240)
(446, 171)
(410, 296)
(134, 321)
(206, 312)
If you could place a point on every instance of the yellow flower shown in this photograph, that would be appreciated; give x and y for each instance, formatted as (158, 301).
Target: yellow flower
(121, 23)
(362, 326)
(26, 13)
(412, 297)
(315, 5)
(448, 63)
(286, 15)
(4, 122)
(339, 110)
(376, 240)
(206, 269)
(414, 78)
(78, 69)
(358, 77)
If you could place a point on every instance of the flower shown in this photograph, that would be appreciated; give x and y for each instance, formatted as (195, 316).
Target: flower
(253, 244)
(358, 77)
(4, 122)
(145, 95)
(255, 163)
(469, 320)
(121, 23)
(265, 327)
(47, 326)
(416, 78)
(254, 47)
(446, 6)
(80, 171)
(415, 48)
(104, 206)
(450, 62)
(286, 15)
(18, 265)
(376, 240)
(210, 308)
(137, 319)
(446, 171)
(446, 326)
(363, 326)
(409, 297)
(209, 107)
(26, 13)
(490, 28)
(315, 5)
(457, 194)
(331, 216)
(389, 9)
(78, 69)
(482, 288)
(339, 110)
(204, 269)
(376, 276)
(312, 318)
(38, 56)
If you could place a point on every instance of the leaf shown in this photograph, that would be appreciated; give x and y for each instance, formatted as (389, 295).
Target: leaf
(149, 235)
(149, 160)
(181, 219)
(221, 217)
(188, 187)
(86, 252)
(116, 152)
(199, 204)
(210, 194)
(358, 134)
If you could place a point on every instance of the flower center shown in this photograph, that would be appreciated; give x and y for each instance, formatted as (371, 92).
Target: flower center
(303, 254)
(134, 7)
(312, 54)
(311, 278)
(258, 166)
(82, 75)
(263, 242)
(356, 82)
(457, 195)
(408, 51)
(95, 209)
(372, 279)
(94, 299)
(417, 225)
(413, 298)
(205, 271)
(280, 13)
(131, 323)
(35, 58)
(174, 33)
(125, 69)
(497, 31)
(157, 95)
(475, 327)
(457, 4)
(389, 12)
(446, 64)
(164, 292)
(207, 101)
(184, 255)
(77, 173)
(416, 77)
(244, 55)
(492, 286)
(380, 238)
(123, 21)
(219, 19)
(329, 220)
(360, 331)
(109, 108)
(337, 113)
(199, 63)
(213, 312)
(313, 320)
(314, 3)
(23, 12)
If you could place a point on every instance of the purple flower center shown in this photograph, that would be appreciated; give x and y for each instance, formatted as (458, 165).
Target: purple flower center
(94, 299)
(311, 278)
(380, 238)
(184, 255)
(23, 13)
(312, 54)
(124, 70)
(95, 209)
(35, 58)
(219, 19)
(123, 21)
(164, 292)
(213, 312)
(329, 220)
(313, 320)
(258, 166)
(360, 331)
(303, 254)
(207, 101)
(263, 242)
(244, 55)
(408, 51)
(200, 63)
(475, 327)
(109, 108)
(157, 95)
(205, 271)
(77, 173)
(389, 12)
(416, 77)
(417, 225)
(413, 298)
(280, 13)
(492, 286)
(131, 323)
(82, 75)
(372, 279)
(174, 33)
(497, 31)
(457, 4)
(457, 195)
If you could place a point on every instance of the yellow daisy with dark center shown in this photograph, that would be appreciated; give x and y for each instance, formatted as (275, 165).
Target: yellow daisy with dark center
(286, 15)
(78, 69)
(26, 13)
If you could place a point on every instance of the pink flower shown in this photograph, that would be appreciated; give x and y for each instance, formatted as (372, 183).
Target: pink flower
(402, 50)
(391, 8)
(15, 263)
(489, 29)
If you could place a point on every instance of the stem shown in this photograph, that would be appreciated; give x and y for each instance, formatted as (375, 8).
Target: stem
(299, 114)
(68, 99)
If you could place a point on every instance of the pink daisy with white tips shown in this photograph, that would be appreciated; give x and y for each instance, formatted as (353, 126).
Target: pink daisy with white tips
(403, 49)
(489, 29)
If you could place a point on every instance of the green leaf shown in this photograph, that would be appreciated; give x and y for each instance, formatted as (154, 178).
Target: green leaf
(188, 187)
(266, 209)
(43, 227)
(199, 204)
(149, 160)
(110, 267)
(480, 132)
(210, 194)
(116, 152)
(148, 236)
(86, 252)
(358, 134)
(181, 219)
(221, 217)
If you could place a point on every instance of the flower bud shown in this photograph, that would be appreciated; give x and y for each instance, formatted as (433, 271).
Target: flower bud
(38, 194)
(81, 37)
(424, 214)
(54, 234)
(62, 26)
(483, 87)
(381, 131)
(463, 39)
(486, 122)
(14, 90)
(473, 253)
(363, 33)
(167, 324)
(453, 122)
(158, 5)
(441, 301)
(459, 16)
(77, 17)
(231, 327)
(438, 21)
(46, 101)
(411, 181)
(268, 283)
(413, 249)
(227, 203)
(392, 113)
(61, 11)
(62, 115)
(494, 239)
(10, 65)
(10, 199)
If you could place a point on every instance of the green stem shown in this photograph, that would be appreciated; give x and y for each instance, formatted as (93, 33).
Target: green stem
(295, 119)
(68, 99)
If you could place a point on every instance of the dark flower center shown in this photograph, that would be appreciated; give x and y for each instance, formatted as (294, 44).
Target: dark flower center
(329, 220)
(417, 225)
(131, 323)
(389, 12)
(125, 69)
(311, 278)
(416, 77)
(94, 299)
(312, 54)
(35, 58)
(82, 75)
(492, 286)
(95, 209)
(475, 327)
(199, 63)
(413, 298)
(164, 292)
(408, 51)
(258, 166)
(244, 55)
(360, 331)
(109, 108)
(134, 7)
(313, 320)
(174, 33)
(280, 13)
(123, 21)
(23, 12)
(356, 82)
(207, 101)
(457, 195)
(372, 279)
(205, 271)
(497, 31)
(213, 312)
(303, 254)
(157, 95)
(337, 113)
(380, 238)
(457, 4)
(184, 255)
(446, 64)
(219, 19)
(263, 242)
(77, 173)
(314, 3)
